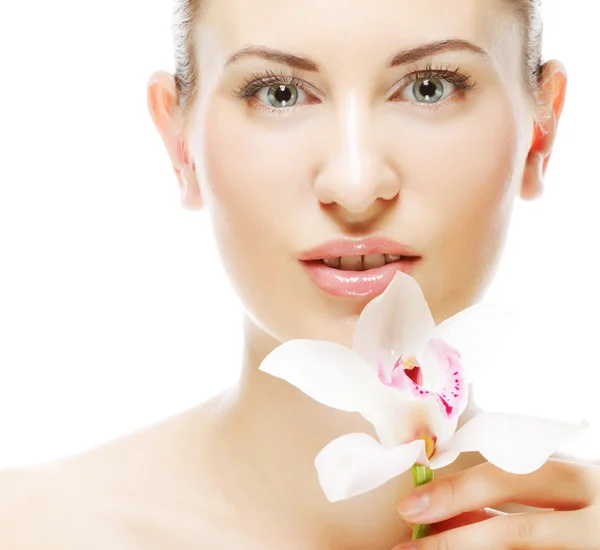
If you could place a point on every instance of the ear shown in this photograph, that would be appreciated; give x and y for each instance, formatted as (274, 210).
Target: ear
(165, 112)
(552, 92)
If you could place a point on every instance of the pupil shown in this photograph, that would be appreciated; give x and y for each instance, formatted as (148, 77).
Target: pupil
(428, 89)
(283, 94)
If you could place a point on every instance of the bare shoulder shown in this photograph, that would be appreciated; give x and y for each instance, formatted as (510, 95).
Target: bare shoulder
(25, 501)
(37, 512)
(145, 490)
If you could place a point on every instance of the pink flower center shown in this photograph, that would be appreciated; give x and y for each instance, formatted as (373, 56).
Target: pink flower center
(415, 375)
(407, 375)
(411, 369)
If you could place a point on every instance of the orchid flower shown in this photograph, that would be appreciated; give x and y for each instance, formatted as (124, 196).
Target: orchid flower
(411, 384)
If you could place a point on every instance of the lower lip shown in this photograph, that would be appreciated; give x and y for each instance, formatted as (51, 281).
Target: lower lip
(352, 284)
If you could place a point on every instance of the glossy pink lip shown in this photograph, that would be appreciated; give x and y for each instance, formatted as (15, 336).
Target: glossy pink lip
(352, 284)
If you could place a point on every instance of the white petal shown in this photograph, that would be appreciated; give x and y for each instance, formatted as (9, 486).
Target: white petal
(442, 426)
(395, 322)
(514, 443)
(329, 373)
(472, 409)
(400, 417)
(354, 464)
(479, 333)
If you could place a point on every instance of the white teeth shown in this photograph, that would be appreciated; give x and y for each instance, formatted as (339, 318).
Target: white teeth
(351, 263)
(332, 262)
(372, 261)
(389, 258)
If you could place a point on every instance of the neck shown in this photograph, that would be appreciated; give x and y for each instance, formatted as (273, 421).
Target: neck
(278, 431)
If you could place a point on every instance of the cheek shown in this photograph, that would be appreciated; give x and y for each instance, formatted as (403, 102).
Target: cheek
(476, 175)
(464, 190)
(253, 164)
(243, 188)
(466, 168)
(255, 185)
(245, 176)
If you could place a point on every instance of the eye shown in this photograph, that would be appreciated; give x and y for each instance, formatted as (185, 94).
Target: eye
(435, 86)
(430, 90)
(279, 96)
(275, 93)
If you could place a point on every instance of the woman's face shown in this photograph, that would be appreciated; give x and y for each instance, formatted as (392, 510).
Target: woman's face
(428, 151)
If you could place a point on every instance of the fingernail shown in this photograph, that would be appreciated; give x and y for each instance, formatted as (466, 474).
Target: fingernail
(413, 505)
(406, 546)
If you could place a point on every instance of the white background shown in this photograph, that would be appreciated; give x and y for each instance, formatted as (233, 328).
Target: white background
(114, 309)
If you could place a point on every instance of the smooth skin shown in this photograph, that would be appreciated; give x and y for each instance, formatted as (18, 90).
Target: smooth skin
(358, 155)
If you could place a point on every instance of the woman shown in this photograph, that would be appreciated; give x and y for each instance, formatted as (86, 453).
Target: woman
(326, 139)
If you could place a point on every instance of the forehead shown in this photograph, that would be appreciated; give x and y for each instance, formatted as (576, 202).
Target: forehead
(351, 29)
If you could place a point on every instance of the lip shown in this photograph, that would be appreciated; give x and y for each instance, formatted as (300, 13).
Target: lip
(357, 284)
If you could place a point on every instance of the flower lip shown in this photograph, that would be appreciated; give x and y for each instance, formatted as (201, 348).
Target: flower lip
(357, 247)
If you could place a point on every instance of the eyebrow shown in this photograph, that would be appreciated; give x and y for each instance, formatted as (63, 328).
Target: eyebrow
(401, 58)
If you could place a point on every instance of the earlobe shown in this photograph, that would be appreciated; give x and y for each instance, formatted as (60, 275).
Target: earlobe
(552, 93)
(533, 178)
(191, 197)
(164, 110)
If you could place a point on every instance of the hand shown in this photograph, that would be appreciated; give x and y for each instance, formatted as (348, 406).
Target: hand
(456, 505)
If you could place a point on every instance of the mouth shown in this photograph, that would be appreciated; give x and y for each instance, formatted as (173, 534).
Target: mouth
(358, 268)
(361, 263)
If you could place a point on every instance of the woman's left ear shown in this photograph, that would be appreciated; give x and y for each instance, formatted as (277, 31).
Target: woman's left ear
(552, 92)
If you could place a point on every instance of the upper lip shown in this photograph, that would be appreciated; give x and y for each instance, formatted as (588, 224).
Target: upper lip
(357, 247)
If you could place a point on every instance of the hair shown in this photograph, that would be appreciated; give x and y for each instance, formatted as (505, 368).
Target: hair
(186, 14)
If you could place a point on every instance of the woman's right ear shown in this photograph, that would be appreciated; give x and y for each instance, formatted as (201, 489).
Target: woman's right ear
(165, 112)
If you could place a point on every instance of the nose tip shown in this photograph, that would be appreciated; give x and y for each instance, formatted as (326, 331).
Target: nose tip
(356, 190)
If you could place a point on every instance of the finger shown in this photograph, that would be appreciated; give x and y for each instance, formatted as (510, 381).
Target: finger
(558, 484)
(462, 520)
(575, 530)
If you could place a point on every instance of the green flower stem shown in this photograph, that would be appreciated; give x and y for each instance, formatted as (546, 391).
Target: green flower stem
(421, 475)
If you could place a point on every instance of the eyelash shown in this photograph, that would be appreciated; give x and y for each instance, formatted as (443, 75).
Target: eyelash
(268, 79)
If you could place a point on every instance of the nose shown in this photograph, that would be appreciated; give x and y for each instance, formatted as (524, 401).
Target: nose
(355, 172)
